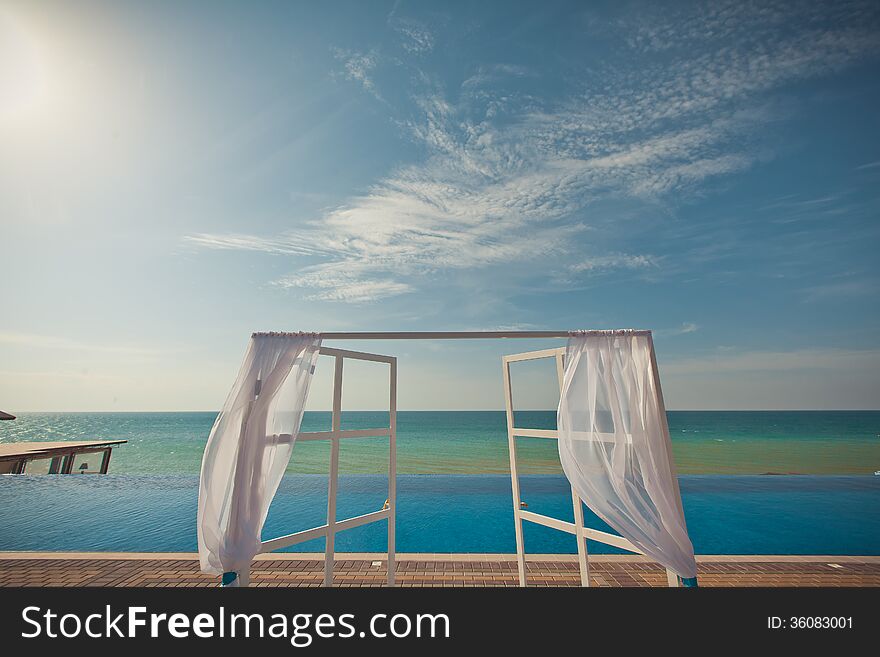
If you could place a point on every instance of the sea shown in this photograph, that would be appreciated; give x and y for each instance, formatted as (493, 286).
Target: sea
(768, 482)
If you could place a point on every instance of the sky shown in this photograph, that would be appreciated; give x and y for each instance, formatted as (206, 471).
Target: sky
(176, 175)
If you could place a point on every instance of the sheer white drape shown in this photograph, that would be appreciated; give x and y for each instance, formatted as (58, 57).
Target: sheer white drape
(250, 446)
(613, 443)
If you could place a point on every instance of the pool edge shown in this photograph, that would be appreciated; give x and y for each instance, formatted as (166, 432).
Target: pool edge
(445, 556)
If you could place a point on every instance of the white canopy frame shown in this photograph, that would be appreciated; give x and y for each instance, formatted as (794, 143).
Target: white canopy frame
(576, 528)
(335, 435)
(332, 526)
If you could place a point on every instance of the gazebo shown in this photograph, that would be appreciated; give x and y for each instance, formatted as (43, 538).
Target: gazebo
(612, 435)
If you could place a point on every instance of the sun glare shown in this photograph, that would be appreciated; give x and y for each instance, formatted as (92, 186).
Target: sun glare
(23, 83)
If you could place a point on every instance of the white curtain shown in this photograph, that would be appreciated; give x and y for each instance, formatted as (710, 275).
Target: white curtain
(613, 443)
(249, 448)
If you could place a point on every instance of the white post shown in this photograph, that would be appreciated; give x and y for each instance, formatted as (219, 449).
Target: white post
(333, 474)
(392, 474)
(514, 477)
(583, 554)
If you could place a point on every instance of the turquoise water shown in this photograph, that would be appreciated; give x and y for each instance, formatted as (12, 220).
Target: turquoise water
(463, 503)
(470, 442)
(440, 513)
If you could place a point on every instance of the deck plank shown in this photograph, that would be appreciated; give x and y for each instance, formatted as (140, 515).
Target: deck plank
(419, 570)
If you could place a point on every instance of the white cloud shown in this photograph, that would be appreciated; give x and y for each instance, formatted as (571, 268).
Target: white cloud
(342, 282)
(359, 67)
(684, 329)
(614, 261)
(772, 380)
(66, 344)
(841, 360)
(418, 39)
(56, 376)
(511, 179)
(291, 244)
(841, 290)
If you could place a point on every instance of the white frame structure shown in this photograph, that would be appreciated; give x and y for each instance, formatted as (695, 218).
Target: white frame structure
(576, 528)
(335, 435)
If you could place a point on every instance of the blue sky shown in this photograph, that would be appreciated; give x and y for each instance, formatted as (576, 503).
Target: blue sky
(173, 177)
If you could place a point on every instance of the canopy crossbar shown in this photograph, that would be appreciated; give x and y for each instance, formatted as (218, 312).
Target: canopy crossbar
(451, 335)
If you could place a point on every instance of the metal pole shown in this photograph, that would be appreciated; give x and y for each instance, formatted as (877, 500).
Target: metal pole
(105, 461)
(333, 485)
(514, 477)
(392, 475)
(448, 335)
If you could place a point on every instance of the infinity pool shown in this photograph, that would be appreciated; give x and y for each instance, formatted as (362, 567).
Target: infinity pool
(439, 513)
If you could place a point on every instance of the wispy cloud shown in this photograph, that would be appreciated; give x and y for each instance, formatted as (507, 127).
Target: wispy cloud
(67, 344)
(841, 290)
(613, 261)
(748, 22)
(510, 178)
(342, 282)
(292, 244)
(53, 376)
(776, 361)
(417, 38)
(359, 66)
(684, 329)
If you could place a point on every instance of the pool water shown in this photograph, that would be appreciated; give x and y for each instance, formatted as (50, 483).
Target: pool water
(832, 515)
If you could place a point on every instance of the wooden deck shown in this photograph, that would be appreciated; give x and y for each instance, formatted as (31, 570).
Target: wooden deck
(428, 570)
